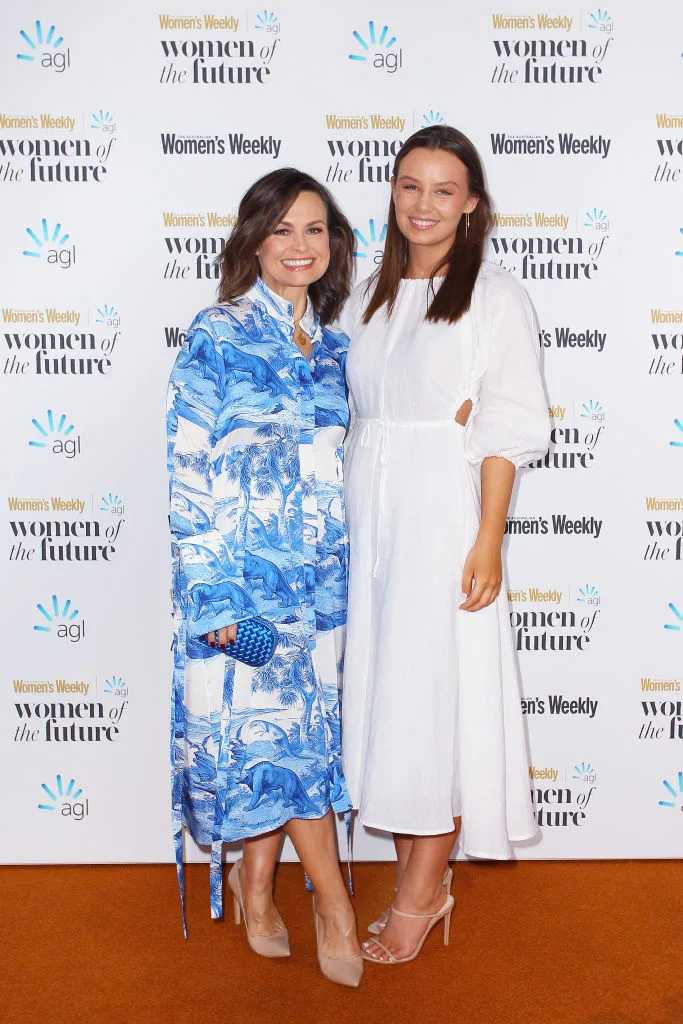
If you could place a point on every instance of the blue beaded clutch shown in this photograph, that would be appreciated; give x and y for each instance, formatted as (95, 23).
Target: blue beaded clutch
(256, 642)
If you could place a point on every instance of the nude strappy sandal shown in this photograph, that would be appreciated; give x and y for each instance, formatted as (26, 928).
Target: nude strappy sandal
(378, 926)
(441, 915)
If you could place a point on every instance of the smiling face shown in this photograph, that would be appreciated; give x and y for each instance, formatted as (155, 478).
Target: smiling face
(297, 252)
(431, 194)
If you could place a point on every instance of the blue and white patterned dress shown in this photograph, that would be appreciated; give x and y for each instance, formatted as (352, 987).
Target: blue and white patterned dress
(255, 434)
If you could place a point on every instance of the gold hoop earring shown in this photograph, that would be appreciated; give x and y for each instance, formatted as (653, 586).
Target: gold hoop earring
(467, 224)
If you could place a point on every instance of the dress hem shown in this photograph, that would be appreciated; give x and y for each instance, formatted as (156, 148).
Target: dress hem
(491, 856)
(271, 827)
(441, 832)
(409, 831)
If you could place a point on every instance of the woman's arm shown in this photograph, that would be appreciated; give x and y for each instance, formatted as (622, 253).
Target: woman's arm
(483, 572)
(211, 576)
(510, 428)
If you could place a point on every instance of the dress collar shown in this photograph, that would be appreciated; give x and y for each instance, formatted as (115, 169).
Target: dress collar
(275, 303)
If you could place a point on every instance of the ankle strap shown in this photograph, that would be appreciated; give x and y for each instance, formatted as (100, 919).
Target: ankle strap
(402, 913)
(424, 917)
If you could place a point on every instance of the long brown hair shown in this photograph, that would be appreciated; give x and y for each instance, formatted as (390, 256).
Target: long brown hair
(464, 258)
(261, 209)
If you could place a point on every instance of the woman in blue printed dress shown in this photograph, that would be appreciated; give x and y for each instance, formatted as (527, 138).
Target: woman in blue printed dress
(256, 419)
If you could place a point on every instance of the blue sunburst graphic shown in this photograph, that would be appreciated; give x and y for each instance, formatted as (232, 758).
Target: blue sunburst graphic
(601, 18)
(110, 501)
(101, 119)
(106, 313)
(583, 769)
(72, 792)
(587, 593)
(595, 217)
(57, 237)
(679, 252)
(49, 40)
(677, 444)
(66, 613)
(589, 409)
(115, 683)
(374, 237)
(678, 796)
(432, 117)
(679, 616)
(51, 429)
(266, 19)
(374, 41)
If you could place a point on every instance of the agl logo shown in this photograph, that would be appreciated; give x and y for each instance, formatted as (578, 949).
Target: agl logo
(268, 22)
(46, 50)
(432, 117)
(103, 122)
(585, 772)
(109, 316)
(381, 52)
(674, 627)
(116, 686)
(674, 793)
(62, 623)
(58, 438)
(112, 503)
(596, 219)
(601, 21)
(50, 244)
(592, 410)
(66, 802)
(588, 595)
(370, 245)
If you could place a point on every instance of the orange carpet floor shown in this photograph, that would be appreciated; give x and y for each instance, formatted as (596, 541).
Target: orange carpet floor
(531, 943)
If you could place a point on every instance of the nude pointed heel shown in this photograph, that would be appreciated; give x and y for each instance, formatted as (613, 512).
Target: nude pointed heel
(378, 926)
(346, 970)
(441, 915)
(271, 946)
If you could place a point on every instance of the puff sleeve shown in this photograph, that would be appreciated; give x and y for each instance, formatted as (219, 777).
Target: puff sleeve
(510, 419)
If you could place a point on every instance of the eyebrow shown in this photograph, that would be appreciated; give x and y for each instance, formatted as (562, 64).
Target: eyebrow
(410, 178)
(288, 223)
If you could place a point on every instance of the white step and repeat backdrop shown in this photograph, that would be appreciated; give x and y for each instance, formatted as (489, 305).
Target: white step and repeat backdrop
(128, 133)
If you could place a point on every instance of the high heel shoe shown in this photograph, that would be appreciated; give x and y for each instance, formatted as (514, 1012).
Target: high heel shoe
(271, 946)
(441, 915)
(378, 926)
(346, 970)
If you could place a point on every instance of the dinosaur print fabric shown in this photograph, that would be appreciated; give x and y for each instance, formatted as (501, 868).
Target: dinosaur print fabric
(255, 436)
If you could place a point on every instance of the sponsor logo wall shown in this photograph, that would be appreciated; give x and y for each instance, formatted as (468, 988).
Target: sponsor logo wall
(122, 168)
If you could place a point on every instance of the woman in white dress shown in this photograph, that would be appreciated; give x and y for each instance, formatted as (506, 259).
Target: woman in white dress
(446, 402)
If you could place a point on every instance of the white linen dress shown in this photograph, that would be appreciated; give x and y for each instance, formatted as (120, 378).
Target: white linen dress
(431, 722)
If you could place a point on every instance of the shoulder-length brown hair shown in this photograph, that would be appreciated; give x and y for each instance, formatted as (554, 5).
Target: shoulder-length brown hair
(462, 261)
(262, 208)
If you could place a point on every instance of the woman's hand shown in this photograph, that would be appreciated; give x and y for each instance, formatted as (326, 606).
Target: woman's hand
(223, 636)
(483, 568)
